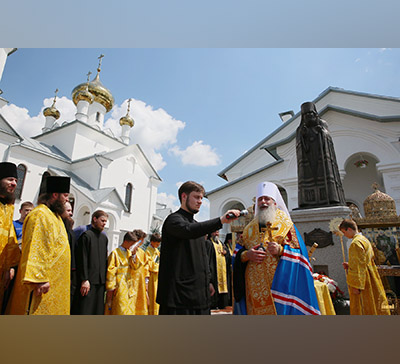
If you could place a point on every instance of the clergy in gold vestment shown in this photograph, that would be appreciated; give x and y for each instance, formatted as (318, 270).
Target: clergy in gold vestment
(218, 268)
(42, 284)
(121, 277)
(260, 273)
(367, 295)
(153, 259)
(9, 250)
(277, 273)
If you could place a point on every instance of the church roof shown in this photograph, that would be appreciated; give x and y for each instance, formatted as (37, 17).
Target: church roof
(272, 147)
(6, 128)
(95, 195)
(49, 150)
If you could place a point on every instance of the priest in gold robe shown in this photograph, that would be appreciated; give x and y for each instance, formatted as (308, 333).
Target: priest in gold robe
(9, 251)
(271, 244)
(216, 251)
(121, 282)
(153, 262)
(42, 285)
(367, 295)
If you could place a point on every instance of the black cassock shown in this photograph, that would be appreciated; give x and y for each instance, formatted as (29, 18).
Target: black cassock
(184, 273)
(92, 266)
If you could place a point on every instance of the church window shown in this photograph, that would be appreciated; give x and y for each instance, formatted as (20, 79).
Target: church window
(21, 173)
(128, 196)
(98, 117)
(43, 183)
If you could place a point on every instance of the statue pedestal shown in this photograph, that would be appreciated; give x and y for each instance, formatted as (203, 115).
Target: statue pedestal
(306, 221)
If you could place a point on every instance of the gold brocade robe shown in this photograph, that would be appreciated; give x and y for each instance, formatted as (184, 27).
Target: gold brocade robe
(259, 276)
(45, 257)
(139, 277)
(153, 258)
(363, 274)
(9, 250)
(121, 278)
(221, 266)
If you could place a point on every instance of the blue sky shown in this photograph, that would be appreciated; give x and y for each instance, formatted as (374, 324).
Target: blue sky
(196, 110)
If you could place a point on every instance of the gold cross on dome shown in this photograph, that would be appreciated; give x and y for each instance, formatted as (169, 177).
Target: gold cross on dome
(100, 59)
(55, 97)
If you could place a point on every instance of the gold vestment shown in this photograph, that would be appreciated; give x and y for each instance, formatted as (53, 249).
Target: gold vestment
(9, 250)
(45, 257)
(363, 274)
(259, 276)
(121, 278)
(153, 258)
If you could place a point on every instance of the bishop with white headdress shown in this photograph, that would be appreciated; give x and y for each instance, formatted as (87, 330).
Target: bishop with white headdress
(274, 275)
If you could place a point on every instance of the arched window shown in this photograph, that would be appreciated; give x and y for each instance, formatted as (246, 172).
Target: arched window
(128, 196)
(21, 173)
(42, 188)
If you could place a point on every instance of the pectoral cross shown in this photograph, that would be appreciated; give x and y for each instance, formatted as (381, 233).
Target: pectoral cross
(267, 230)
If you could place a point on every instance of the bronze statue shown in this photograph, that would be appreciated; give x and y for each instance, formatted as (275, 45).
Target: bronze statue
(319, 183)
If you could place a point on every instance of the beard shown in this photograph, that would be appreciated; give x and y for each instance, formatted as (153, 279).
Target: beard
(267, 215)
(58, 207)
(6, 197)
(191, 210)
(68, 222)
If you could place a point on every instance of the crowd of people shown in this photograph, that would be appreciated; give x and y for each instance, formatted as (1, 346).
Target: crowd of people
(49, 268)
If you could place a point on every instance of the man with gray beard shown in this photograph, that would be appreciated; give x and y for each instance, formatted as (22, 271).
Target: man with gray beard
(271, 243)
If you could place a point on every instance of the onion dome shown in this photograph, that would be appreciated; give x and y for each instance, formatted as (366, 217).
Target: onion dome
(379, 206)
(100, 93)
(127, 119)
(52, 111)
(85, 95)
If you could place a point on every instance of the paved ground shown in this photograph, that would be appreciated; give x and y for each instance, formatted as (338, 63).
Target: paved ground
(226, 311)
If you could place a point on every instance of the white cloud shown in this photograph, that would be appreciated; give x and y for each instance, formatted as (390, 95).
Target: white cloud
(357, 60)
(170, 200)
(154, 129)
(197, 154)
(30, 126)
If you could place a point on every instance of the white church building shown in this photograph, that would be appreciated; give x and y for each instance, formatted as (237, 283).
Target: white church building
(106, 171)
(365, 129)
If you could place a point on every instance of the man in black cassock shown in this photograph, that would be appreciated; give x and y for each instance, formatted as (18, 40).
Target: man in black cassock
(184, 279)
(92, 266)
(69, 223)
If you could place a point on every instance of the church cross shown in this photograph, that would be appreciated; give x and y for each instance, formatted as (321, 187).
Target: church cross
(375, 186)
(88, 75)
(55, 97)
(100, 59)
(129, 106)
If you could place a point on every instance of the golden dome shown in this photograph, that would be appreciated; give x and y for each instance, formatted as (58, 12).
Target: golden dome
(101, 94)
(126, 120)
(84, 95)
(51, 111)
(379, 206)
